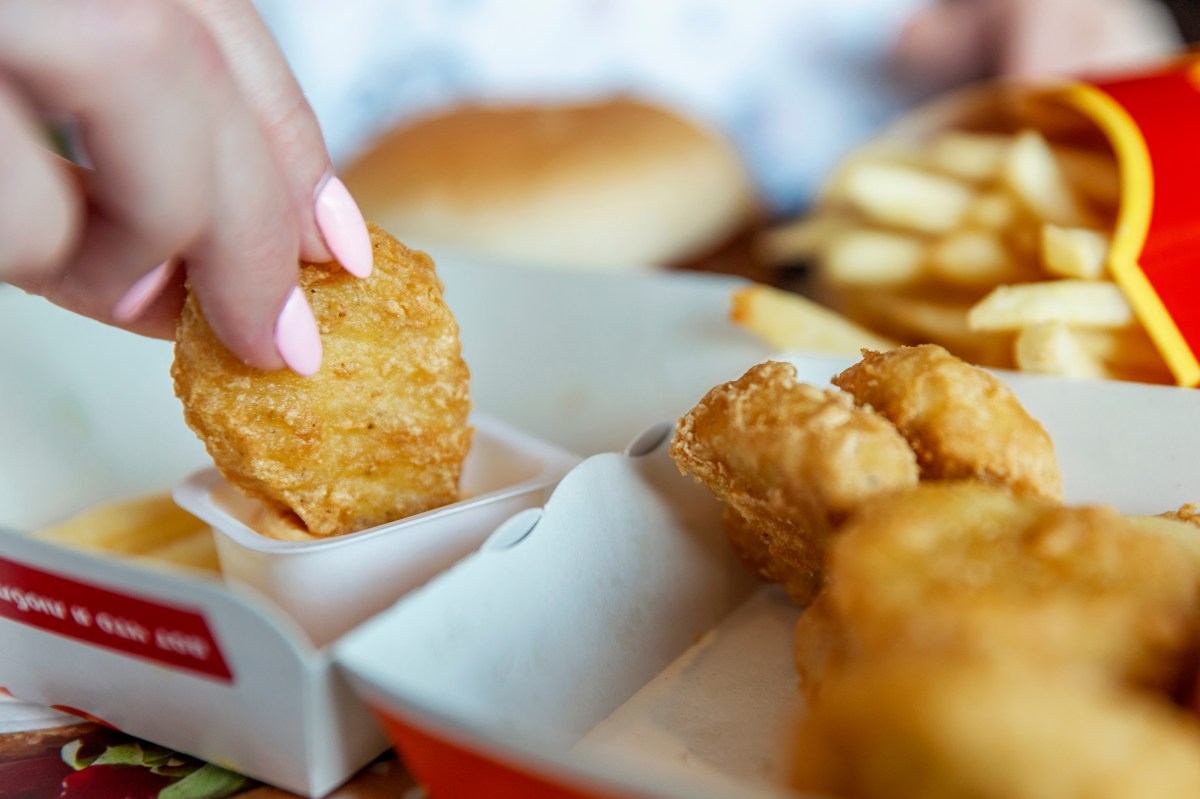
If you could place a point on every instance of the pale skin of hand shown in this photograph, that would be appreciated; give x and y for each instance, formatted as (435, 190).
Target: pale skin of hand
(951, 42)
(205, 160)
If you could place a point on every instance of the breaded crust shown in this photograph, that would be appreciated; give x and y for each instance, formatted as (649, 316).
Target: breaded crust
(960, 420)
(958, 567)
(928, 726)
(379, 433)
(792, 459)
(972, 643)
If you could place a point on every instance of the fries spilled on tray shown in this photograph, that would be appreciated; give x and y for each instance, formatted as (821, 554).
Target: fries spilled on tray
(150, 528)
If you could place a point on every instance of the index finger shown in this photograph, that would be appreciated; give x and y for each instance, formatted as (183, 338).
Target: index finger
(329, 223)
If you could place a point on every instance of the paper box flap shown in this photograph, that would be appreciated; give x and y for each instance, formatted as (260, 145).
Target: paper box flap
(626, 568)
(172, 660)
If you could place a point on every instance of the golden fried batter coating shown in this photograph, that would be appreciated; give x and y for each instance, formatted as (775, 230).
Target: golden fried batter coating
(1189, 513)
(961, 421)
(379, 433)
(962, 567)
(751, 548)
(792, 459)
(916, 725)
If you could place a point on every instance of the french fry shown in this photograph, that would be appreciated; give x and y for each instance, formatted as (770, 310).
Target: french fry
(1128, 353)
(874, 257)
(833, 194)
(196, 551)
(1081, 303)
(130, 527)
(1033, 173)
(803, 239)
(1024, 238)
(973, 258)
(977, 157)
(1052, 348)
(1074, 252)
(993, 210)
(789, 322)
(906, 197)
(913, 321)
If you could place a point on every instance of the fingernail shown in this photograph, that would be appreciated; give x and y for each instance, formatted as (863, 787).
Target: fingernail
(143, 292)
(342, 226)
(296, 336)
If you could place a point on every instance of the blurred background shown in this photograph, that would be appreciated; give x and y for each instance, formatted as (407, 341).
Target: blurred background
(625, 134)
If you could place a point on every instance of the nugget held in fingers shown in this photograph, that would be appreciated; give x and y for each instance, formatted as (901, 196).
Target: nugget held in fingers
(379, 433)
(960, 420)
(792, 459)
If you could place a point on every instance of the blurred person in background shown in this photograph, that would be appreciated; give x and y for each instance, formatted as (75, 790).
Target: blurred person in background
(205, 154)
(794, 83)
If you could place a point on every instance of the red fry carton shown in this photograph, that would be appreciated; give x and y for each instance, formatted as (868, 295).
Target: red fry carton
(1151, 122)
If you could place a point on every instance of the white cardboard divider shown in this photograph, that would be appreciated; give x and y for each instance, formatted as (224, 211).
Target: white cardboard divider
(617, 648)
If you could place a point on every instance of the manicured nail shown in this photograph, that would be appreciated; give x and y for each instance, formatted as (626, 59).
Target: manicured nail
(297, 337)
(343, 228)
(143, 292)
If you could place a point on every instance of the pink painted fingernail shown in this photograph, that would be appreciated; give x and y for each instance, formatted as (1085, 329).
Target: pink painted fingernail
(343, 228)
(143, 292)
(297, 337)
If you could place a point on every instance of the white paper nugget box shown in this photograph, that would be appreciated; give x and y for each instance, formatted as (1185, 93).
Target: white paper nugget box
(216, 670)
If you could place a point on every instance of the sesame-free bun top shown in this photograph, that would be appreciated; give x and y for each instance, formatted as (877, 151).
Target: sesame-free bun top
(615, 184)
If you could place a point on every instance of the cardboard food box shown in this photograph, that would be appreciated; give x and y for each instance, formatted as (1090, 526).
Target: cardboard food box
(613, 646)
(235, 671)
(89, 418)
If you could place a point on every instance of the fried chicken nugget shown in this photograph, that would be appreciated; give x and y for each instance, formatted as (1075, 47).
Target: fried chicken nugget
(928, 726)
(792, 460)
(962, 567)
(379, 433)
(752, 550)
(1189, 514)
(961, 421)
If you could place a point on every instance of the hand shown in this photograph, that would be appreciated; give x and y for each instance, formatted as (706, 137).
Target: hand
(205, 159)
(954, 41)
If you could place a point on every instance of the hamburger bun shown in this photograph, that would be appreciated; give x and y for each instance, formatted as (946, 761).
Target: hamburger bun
(615, 184)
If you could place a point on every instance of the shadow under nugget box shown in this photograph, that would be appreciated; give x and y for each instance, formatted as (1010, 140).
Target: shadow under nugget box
(218, 670)
(614, 646)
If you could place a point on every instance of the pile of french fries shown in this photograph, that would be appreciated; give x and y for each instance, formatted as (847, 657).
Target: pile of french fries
(993, 245)
(151, 529)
